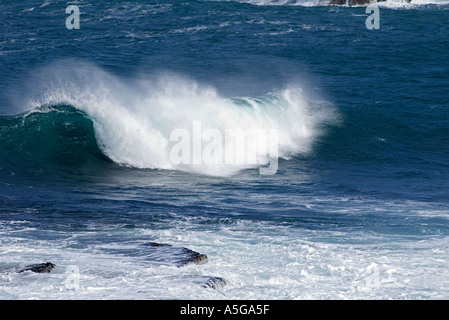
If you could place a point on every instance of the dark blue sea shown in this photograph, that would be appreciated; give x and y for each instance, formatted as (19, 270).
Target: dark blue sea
(115, 161)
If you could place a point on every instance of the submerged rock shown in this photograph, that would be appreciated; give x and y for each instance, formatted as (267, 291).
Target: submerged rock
(214, 283)
(207, 282)
(38, 268)
(352, 2)
(166, 253)
(358, 2)
(158, 253)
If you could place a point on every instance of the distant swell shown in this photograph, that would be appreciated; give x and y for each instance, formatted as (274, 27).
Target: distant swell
(78, 111)
(313, 3)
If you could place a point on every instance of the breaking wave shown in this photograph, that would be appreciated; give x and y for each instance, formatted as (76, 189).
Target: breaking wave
(84, 111)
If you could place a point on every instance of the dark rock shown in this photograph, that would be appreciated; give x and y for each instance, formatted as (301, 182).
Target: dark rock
(214, 283)
(158, 253)
(207, 282)
(166, 253)
(351, 2)
(357, 2)
(38, 268)
(338, 2)
(196, 258)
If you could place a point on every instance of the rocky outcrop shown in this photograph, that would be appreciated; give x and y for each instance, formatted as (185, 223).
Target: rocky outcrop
(357, 2)
(208, 282)
(38, 268)
(352, 2)
(180, 256)
(160, 253)
(214, 283)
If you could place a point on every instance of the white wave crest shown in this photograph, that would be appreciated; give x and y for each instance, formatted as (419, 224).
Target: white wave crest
(134, 119)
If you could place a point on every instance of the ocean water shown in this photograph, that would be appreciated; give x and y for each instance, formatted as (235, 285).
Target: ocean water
(346, 193)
